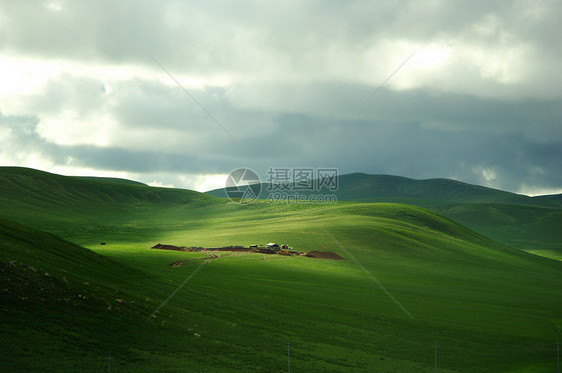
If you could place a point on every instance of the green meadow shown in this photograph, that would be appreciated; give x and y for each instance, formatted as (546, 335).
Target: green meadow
(411, 279)
(527, 223)
(529, 228)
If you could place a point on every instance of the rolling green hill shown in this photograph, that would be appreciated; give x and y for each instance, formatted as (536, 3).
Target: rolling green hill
(552, 197)
(488, 306)
(29, 186)
(43, 200)
(527, 223)
(532, 229)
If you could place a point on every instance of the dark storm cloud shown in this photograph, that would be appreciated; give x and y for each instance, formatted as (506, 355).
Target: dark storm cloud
(141, 104)
(427, 153)
(155, 161)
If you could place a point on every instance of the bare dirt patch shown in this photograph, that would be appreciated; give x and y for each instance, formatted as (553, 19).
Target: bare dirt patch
(262, 250)
(214, 252)
(171, 247)
(324, 255)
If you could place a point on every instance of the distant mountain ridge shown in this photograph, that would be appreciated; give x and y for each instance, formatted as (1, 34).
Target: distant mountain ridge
(359, 186)
(388, 188)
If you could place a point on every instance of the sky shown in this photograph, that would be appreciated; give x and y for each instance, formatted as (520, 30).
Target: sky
(181, 93)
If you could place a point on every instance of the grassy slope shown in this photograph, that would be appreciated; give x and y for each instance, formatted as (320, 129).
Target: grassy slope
(527, 223)
(488, 306)
(59, 310)
(557, 198)
(45, 200)
(533, 229)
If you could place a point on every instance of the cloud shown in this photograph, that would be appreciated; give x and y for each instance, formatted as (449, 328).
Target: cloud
(476, 101)
(294, 40)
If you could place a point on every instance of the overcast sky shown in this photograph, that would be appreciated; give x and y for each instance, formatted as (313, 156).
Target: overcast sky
(475, 89)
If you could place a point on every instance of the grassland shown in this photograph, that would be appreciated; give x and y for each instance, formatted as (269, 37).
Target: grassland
(527, 223)
(490, 308)
(529, 228)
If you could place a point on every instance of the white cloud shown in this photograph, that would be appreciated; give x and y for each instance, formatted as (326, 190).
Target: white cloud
(156, 183)
(204, 183)
(70, 128)
(22, 76)
(534, 191)
(489, 174)
(197, 182)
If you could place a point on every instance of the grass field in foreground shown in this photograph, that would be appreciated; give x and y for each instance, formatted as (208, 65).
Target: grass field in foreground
(489, 308)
